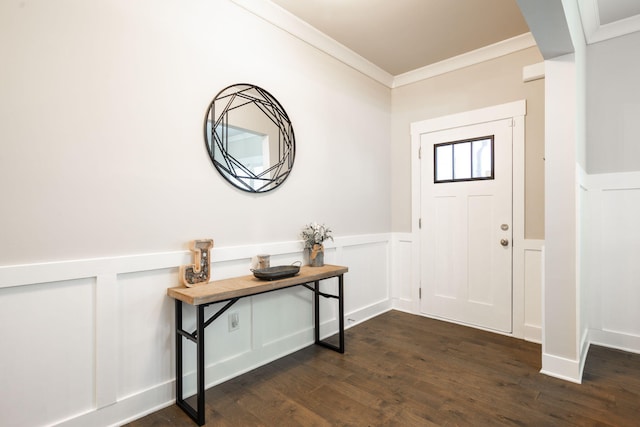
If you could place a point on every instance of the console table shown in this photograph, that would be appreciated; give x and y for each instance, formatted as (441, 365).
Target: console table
(230, 291)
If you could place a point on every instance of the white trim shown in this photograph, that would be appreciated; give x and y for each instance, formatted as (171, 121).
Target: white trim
(515, 110)
(613, 181)
(585, 343)
(487, 53)
(582, 335)
(473, 117)
(595, 32)
(54, 271)
(615, 339)
(416, 203)
(560, 367)
(533, 72)
(517, 203)
(298, 28)
(533, 333)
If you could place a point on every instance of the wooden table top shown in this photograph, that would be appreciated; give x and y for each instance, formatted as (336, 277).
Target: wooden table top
(235, 287)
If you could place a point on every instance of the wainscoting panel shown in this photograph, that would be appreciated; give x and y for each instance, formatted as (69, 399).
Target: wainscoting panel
(48, 352)
(144, 330)
(92, 342)
(404, 291)
(620, 256)
(533, 290)
(370, 265)
(615, 206)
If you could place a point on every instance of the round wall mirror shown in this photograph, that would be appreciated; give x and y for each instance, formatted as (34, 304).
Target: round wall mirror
(249, 138)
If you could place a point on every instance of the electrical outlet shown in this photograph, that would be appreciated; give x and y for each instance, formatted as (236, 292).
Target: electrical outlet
(234, 321)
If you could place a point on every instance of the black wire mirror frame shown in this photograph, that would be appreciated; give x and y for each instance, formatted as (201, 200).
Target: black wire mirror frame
(231, 169)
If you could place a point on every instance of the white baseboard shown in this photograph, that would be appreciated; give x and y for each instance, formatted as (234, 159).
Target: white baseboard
(127, 409)
(617, 340)
(584, 350)
(403, 305)
(562, 368)
(533, 333)
(567, 369)
(365, 313)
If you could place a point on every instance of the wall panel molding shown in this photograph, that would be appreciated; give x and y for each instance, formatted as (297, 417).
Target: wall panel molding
(130, 349)
(613, 232)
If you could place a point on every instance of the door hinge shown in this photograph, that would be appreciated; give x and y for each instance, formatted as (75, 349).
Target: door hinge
(420, 153)
(420, 223)
(419, 293)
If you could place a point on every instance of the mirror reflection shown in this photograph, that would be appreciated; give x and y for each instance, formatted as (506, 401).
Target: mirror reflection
(249, 138)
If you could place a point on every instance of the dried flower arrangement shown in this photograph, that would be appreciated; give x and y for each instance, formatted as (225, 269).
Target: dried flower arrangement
(315, 234)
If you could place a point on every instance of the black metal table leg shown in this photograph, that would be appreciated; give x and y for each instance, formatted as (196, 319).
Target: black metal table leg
(179, 382)
(316, 297)
(316, 310)
(200, 368)
(197, 336)
(341, 311)
(197, 414)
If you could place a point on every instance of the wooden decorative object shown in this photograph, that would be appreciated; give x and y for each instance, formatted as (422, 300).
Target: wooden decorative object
(199, 272)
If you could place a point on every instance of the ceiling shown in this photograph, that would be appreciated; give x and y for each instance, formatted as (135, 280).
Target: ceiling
(403, 35)
(390, 39)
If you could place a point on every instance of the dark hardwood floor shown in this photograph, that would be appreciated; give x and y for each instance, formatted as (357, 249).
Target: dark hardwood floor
(406, 370)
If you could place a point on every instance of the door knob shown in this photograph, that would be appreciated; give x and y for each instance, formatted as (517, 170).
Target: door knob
(504, 242)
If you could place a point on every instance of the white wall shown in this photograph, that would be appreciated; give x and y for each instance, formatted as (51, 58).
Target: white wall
(105, 180)
(102, 106)
(613, 100)
(613, 197)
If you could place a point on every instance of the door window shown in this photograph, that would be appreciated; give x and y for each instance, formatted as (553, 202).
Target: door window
(465, 160)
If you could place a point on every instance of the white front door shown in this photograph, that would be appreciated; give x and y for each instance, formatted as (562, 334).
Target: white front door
(466, 215)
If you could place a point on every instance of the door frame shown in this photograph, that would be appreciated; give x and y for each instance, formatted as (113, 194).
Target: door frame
(513, 110)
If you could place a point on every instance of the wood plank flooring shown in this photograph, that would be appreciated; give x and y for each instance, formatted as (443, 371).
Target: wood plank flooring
(406, 370)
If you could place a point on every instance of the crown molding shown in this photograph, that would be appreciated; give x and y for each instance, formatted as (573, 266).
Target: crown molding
(595, 32)
(298, 28)
(477, 56)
